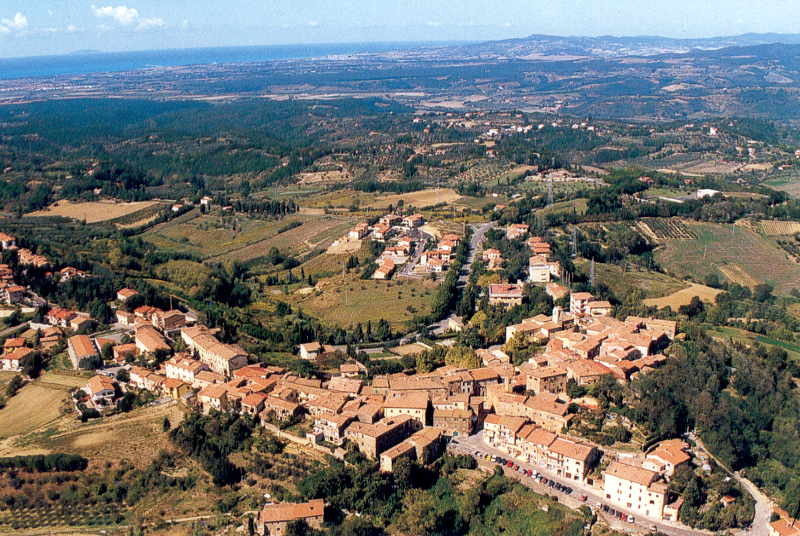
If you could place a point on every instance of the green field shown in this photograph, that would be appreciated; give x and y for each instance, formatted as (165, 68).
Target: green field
(223, 235)
(733, 252)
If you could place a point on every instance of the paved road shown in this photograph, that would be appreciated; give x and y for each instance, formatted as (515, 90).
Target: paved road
(469, 445)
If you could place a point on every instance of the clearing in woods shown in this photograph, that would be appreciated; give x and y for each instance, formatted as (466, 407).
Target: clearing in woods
(731, 251)
(421, 199)
(93, 212)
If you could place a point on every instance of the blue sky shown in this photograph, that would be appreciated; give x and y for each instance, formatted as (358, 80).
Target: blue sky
(38, 27)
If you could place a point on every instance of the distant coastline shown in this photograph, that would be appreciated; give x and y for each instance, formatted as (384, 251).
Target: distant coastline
(84, 62)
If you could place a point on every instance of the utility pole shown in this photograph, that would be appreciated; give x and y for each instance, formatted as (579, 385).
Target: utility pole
(591, 274)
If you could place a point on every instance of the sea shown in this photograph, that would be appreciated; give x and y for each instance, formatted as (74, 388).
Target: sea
(86, 62)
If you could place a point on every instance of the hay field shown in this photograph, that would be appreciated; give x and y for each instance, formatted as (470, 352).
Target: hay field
(730, 250)
(421, 199)
(684, 296)
(33, 407)
(93, 212)
(778, 228)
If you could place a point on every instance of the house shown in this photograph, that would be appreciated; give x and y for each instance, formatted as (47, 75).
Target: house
(667, 456)
(784, 527)
(254, 403)
(60, 317)
(332, 427)
(284, 410)
(548, 411)
(101, 389)
(359, 231)
(538, 269)
(81, 322)
(571, 459)
(507, 294)
(168, 320)
(635, 488)
(213, 396)
(221, 358)
(412, 404)
(175, 388)
(310, 350)
(384, 271)
(349, 370)
(150, 341)
(549, 379)
(13, 360)
(578, 302)
(13, 294)
(80, 347)
(373, 439)
(424, 445)
(274, 518)
(146, 312)
(390, 220)
(414, 221)
(454, 422)
(184, 368)
(13, 343)
(586, 372)
(382, 231)
(598, 308)
(125, 318)
(345, 385)
(7, 241)
(69, 272)
(516, 230)
(125, 294)
(556, 291)
(124, 352)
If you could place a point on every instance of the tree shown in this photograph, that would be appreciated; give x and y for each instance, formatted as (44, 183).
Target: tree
(166, 425)
(462, 357)
(419, 516)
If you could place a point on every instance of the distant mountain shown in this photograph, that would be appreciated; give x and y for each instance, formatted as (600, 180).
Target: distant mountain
(537, 46)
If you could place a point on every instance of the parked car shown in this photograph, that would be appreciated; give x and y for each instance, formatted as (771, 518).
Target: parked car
(584, 497)
(631, 519)
(494, 458)
(515, 467)
(653, 527)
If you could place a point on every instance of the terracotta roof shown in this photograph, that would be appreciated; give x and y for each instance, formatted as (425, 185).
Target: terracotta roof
(278, 513)
(82, 345)
(571, 449)
(414, 400)
(100, 383)
(638, 475)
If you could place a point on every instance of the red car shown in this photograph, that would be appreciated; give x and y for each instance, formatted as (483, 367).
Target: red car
(510, 464)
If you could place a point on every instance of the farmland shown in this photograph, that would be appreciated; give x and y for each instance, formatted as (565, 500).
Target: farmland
(684, 297)
(349, 300)
(664, 229)
(739, 254)
(36, 405)
(421, 199)
(221, 236)
(778, 228)
(651, 284)
(93, 212)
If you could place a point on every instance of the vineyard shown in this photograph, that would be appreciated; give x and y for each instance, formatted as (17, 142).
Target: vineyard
(780, 228)
(792, 247)
(665, 229)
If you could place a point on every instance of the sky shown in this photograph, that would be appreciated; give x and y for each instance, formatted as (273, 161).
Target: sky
(39, 27)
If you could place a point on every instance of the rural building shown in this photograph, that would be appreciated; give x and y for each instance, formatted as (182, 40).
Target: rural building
(373, 439)
(125, 294)
(274, 518)
(101, 389)
(150, 341)
(578, 302)
(413, 404)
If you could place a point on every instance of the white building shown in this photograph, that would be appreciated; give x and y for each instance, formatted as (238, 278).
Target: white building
(636, 489)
